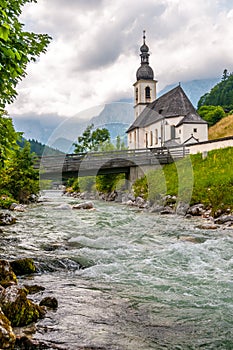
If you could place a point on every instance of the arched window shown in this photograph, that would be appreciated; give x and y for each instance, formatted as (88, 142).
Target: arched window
(136, 95)
(173, 132)
(151, 138)
(146, 141)
(156, 136)
(147, 92)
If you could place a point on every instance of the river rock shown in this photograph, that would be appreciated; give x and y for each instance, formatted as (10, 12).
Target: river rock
(167, 210)
(208, 226)
(7, 275)
(17, 308)
(17, 207)
(7, 337)
(182, 208)
(85, 205)
(34, 289)
(24, 266)
(196, 210)
(50, 302)
(140, 202)
(156, 208)
(6, 219)
(64, 207)
(223, 219)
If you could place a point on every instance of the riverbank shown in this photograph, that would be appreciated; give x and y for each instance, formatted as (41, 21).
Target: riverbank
(167, 205)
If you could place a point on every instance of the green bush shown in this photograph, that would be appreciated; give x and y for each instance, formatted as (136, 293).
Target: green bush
(211, 114)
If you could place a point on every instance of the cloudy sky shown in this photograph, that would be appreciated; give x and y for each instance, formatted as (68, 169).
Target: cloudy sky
(93, 57)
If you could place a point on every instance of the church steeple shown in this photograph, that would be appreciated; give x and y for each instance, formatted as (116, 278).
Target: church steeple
(145, 71)
(145, 86)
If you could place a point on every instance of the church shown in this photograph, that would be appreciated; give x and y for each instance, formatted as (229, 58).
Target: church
(168, 121)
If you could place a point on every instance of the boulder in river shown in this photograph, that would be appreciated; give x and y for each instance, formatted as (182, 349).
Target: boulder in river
(50, 302)
(196, 210)
(7, 275)
(7, 219)
(23, 266)
(17, 308)
(17, 207)
(223, 219)
(85, 205)
(7, 337)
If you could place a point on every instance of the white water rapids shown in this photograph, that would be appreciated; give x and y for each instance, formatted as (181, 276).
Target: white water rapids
(145, 285)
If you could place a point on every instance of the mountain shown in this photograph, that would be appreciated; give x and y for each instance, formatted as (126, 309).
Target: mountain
(61, 132)
(194, 89)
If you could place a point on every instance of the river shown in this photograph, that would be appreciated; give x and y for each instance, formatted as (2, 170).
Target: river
(149, 282)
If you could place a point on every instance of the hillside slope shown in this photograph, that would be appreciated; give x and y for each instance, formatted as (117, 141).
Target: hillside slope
(221, 129)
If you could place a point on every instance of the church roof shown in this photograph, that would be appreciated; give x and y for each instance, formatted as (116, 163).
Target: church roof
(174, 103)
(192, 118)
(147, 117)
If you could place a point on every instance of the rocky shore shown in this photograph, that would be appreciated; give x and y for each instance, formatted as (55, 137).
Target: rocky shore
(16, 307)
(168, 205)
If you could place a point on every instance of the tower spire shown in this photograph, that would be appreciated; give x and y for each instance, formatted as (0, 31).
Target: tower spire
(144, 37)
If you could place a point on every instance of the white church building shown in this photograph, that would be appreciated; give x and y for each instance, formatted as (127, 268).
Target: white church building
(170, 120)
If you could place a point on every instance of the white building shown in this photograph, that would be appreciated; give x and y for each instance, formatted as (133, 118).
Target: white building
(169, 120)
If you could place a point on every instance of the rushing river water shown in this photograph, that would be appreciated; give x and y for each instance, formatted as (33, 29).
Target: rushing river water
(149, 282)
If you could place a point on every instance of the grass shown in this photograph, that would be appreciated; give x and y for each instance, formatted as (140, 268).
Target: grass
(221, 129)
(193, 180)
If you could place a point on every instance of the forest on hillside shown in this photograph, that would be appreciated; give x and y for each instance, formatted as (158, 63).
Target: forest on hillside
(218, 103)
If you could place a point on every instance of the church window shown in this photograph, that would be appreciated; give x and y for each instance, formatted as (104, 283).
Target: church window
(195, 130)
(146, 139)
(151, 138)
(136, 95)
(156, 136)
(130, 137)
(135, 138)
(147, 92)
(179, 131)
(173, 132)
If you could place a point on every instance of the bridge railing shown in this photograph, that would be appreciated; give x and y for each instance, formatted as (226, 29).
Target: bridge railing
(95, 160)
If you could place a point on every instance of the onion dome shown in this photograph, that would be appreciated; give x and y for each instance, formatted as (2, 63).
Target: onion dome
(144, 72)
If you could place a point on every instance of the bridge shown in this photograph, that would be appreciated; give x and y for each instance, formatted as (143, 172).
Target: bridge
(133, 163)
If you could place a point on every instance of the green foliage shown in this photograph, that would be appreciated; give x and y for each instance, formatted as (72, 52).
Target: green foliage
(17, 48)
(212, 178)
(85, 184)
(8, 138)
(91, 140)
(108, 183)
(221, 94)
(212, 114)
(6, 200)
(19, 177)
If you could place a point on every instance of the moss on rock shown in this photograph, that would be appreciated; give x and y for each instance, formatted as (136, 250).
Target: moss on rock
(17, 308)
(7, 275)
(7, 337)
(23, 266)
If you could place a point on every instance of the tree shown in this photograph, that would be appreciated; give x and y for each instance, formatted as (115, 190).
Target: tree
(212, 114)
(221, 94)
(17, 48)
(8, 138)
(19, 177)
(91, 140)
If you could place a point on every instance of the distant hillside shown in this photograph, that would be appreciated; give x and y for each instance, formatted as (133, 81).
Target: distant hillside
(221, 94)
(41, 149)
(221, 129)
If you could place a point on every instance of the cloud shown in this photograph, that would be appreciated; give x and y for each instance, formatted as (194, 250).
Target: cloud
(94, 54)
